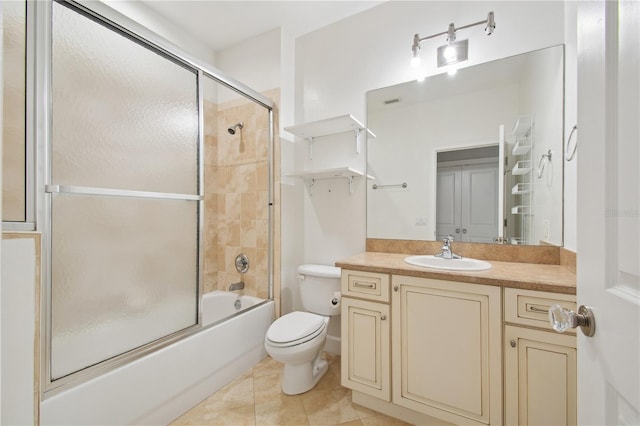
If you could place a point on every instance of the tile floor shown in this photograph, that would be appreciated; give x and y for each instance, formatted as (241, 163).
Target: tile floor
(255, 398)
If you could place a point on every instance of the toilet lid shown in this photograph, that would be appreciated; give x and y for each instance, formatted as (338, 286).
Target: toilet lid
(294, 326)
(323, 271)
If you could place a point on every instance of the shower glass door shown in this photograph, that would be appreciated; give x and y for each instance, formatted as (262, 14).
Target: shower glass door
(124, 193)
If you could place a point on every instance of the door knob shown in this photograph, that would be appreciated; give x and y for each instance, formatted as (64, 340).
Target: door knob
(562, 319)
(464, 230)
(457, 230)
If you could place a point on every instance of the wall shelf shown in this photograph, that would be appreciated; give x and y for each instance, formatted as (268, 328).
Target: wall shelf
(521, 188)
(521, 126)
(336, 173)
(521, 168)
(329, 126)
(521, 147)
(521, 210)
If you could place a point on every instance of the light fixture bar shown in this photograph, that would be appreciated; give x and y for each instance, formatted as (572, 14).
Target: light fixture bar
(453, 48)
(490, 22)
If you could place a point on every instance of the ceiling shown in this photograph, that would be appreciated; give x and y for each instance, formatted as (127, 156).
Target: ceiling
(221, 24)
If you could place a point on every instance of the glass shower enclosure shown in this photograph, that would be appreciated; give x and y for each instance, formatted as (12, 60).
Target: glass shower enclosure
(124, 200)
(124, 193)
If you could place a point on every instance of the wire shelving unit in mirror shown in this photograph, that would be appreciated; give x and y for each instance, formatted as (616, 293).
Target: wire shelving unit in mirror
(521, 173)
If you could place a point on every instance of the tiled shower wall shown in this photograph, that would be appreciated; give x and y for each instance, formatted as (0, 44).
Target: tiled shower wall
(236, 195)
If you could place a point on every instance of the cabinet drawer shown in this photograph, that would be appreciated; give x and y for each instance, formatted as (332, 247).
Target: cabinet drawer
(365, 285)
(528, 307)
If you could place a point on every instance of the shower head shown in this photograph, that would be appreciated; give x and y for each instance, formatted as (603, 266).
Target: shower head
(232, 129)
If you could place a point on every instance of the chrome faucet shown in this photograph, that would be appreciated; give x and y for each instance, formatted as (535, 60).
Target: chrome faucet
(236, 286)
(446, 252)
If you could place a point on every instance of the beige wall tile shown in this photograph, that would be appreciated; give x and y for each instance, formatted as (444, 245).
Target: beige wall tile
(248, 233)
(249, 201)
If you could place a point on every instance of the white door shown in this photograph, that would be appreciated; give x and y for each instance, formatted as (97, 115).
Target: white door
(608, 205)
(449, 187)
(467, 202)
(480, 203)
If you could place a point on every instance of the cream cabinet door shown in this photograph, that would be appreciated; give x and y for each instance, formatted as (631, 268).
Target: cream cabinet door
(540, 377)
(447, 349)
(365, 347)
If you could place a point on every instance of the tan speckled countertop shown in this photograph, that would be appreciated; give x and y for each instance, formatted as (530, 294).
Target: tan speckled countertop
(529, 276)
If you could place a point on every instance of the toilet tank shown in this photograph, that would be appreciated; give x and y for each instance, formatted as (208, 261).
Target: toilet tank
(319, 285)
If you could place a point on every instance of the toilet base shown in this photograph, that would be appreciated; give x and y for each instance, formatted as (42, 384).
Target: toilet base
(299, 378)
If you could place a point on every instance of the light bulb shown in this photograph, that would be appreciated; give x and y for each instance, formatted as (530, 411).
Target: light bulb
(415, 61)
(450, 53)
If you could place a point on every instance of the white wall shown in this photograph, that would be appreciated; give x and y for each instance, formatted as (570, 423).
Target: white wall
(157, 23)
(546, 79)
(338, 64)
(291, 189)
(18, 330)
(254, 62)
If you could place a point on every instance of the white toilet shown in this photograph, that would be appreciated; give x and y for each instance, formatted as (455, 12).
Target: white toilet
(297, 339)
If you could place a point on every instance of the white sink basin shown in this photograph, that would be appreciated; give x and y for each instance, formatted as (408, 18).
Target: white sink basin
(464, 264)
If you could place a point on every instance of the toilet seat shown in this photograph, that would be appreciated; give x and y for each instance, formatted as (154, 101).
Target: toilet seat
(295, 328)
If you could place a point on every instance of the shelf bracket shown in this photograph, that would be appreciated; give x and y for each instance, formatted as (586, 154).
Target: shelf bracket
(350, 179)
(358, 133)
(310, 187)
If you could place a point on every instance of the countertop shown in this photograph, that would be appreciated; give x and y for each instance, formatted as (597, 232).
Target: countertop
(529, 276)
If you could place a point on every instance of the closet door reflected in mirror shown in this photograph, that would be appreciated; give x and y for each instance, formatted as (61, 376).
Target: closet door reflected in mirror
(467, 202)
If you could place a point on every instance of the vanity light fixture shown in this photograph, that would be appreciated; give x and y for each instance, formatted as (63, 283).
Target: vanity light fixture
(454, 51)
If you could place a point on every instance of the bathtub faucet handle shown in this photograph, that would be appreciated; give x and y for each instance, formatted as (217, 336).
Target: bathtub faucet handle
(242, 263)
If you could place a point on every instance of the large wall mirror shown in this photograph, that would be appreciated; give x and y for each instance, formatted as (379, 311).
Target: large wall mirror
(476, 155)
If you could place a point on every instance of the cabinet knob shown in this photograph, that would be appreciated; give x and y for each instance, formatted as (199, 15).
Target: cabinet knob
(395, 288)
(513, 343)
(383, 317)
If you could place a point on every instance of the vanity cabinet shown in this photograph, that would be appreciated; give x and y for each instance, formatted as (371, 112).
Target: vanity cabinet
(446, 349)
(435, 352)
(365, 321)
(540, 364)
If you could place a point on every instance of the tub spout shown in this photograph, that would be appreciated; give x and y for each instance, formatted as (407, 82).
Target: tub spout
(236, 286)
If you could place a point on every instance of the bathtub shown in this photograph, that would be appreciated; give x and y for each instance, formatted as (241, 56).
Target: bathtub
(160, 386)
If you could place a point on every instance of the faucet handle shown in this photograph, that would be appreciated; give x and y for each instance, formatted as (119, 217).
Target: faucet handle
(448, 239)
